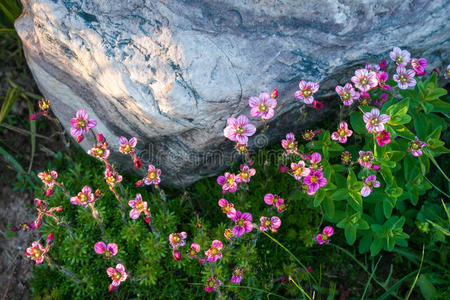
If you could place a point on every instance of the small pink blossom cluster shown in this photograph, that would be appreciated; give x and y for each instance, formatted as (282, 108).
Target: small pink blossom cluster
(38, 253)
(128, 147)
(309, 172)
(230, 182)
(139, 206)
(81, 125)
(306, 92)
(276, 201)
(49, 180)
(153, 177)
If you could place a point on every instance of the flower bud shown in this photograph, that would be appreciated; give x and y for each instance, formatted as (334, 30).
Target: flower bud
(317, 105)
(383, 64)
(274, 94)
(137, 163)
(199, 225)
(14, 228)
(176, 254)
(284, 169)
(49, 192)
(202, 261)
(50, 238)
(139, 183)
(436, 71)
(111, 288)
(59, 208)
(101, 138)
(33, 117)
(309, 269)
(80, 138)
(283, 279)
(376, 167)
(148, 220)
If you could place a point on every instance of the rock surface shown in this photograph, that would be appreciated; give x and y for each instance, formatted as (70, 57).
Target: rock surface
(171, 72)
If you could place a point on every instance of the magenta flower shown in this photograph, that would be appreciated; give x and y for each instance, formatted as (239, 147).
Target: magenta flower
(111, 176)
(127, 147)
(289, 144)
(106, 250)
(383, 64)
(382, 78)
(383, 138)
(314, 161)
(280, 205)
(447, 72)
(364, 98)
(369, 183)
(374, 121)
(262, 106)
(365, 159)
(324, 238)
(214, 253)
(270, 199)
(81, 124)
(314, 180)
(243, 223)
(342, 133)
(152, 176)
(236, 276)
(400, 57)
(36, 252)
(193, 250)
(228, 182)
(227, 208)
(245, 174)
(84, 197)
(99, 151)
(48, 178)
(138, 206)
(365, 80)
(177, 239)
(404, 78)
(299, 170)
(23, 227)
(415, 147)
(273, 224)
(381, 100)
(238, 130)
(118, 275)
(212, 283)
(419, 65)
(306, 92)
(347, 93)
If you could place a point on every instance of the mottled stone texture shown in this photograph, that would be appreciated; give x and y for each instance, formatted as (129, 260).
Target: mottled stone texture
(171, 72)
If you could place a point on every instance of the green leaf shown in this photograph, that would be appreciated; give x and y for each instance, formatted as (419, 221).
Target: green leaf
(364, 243)
(434, 94)
(376, 246)
(355, 201)
(400, 119)
(404, 132)
(357, 123)
(436, 134)
(329, 207)
(350, 233)
(427, 107)
(320, 195)
(340, 194)
(388, 206)
(420, 125)
(398, 109)
(11, 97)
(441, 107)
(426, 288)
(394, 156)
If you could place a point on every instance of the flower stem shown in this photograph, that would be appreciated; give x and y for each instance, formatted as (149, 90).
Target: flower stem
(299, 287)
(63, 270)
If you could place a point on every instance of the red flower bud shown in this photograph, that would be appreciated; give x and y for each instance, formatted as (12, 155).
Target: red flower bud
(283, 279)
(309, 269)
(176, 254)
(50, 238)
(49, 192)
(139, 183)
(383, 64)
(101, 138)
(111, 288)
(284, 169)
(375, 167)
(317, 105)
(137, 163)
(148, 220)
(274, 94)
(435, 70)
(33, 117)
(80, 139)
(59, 209)
(202, 261)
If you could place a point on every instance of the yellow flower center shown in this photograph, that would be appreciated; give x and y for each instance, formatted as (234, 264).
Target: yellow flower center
(152, 175)
(230, 180)
(100, 151)
(415, 146)
(346, 95)
(140, 205)
(239, 130)
(37, 253)
(263, 107)
(48, 177)
(298, 171)
(81, 123)
(402, 78)
(117, 276)
(226, 208)
(374, 121)
(111, 179)
(307, 93)
(364, 81)
(291, 145)
(267, 223)
(176, 239)
(242, 148)
(244, 175)
(342, 133)
(127, 148)
(83, 197)
(214, 251)
(314, 179)
(399, 59)
(240, 223)
(366, 158)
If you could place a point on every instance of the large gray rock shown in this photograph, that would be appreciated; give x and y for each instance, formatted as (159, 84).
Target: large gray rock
(171, 72)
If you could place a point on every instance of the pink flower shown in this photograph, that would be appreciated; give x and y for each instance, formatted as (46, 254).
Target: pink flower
(118, 275)
(176, 255)
(152, 176)
(365, 159)
(238, 130)
(273, 224)
(404, 78)
(289, 144)
(236, 276)
(246, 174)
(36, 252)
(314, 180)
(80, 124)
(84, 197)
(212, 283)
(317, 105)
(177, 239)
(342, 133)
(138, 206)
(243, 223)
(300, 170)
(193, 250)
(364, 98)
(347, 93)
(365, 80)
(106, 250)
(270, 199)
(415, 147)
(228, 234)
(126, 146)
(419, 65)
(383, 64)
(227, 208)
(371, 67)
(369, 183)
(381, 100)
(324, 238)
(382, 78)
(262, 106)
(374, 121)
(383, 138)
(48, 178)
(111, 176)
(99, 151)
(214, 253)
(447, 72)
(400, 57)
(228, 182)
(314, 161)
(306, 92)
(280, 205)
